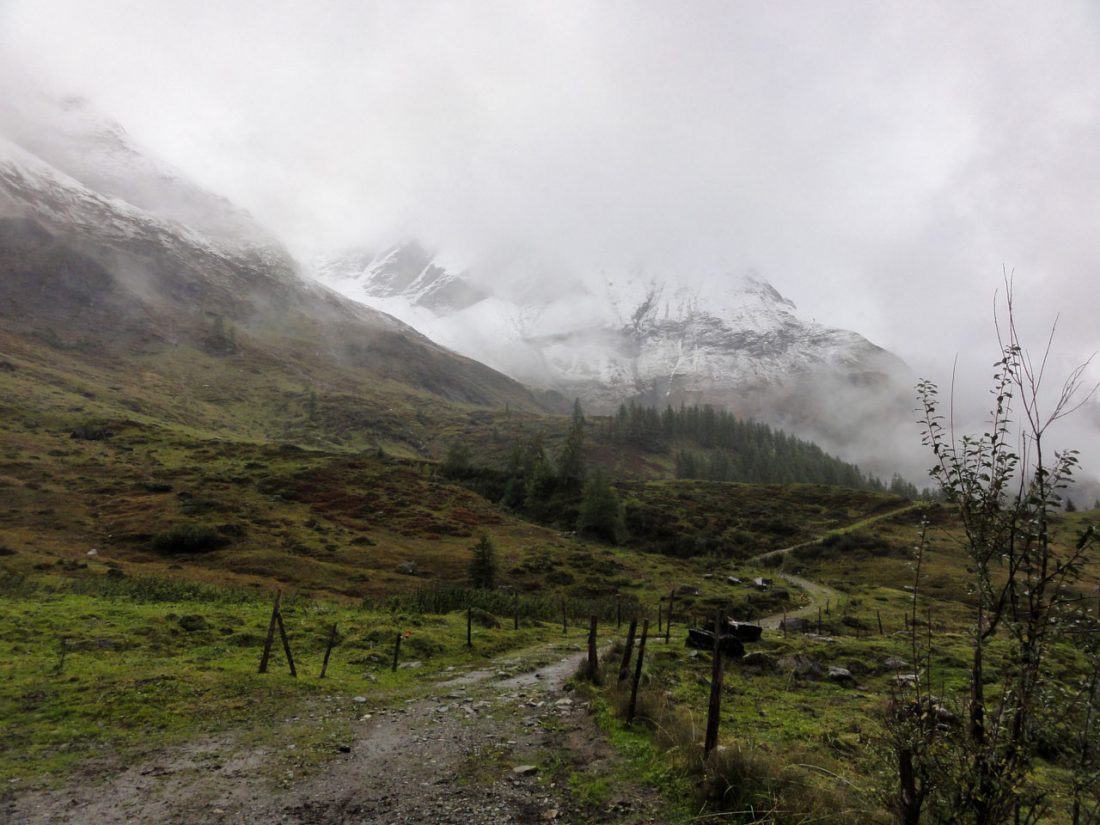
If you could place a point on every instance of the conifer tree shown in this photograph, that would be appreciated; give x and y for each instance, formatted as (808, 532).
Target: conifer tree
(571, 457)
(601, 513)
(483, 563)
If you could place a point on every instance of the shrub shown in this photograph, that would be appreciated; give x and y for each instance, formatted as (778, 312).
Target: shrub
(188, 538)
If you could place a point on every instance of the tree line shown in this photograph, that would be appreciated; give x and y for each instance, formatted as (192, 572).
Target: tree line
(715, 445)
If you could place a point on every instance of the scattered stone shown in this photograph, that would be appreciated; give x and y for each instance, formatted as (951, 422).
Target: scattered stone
(894, 663)
(525, 770)
(840, 674)
(759, 659)
(408, 568)
(93, 552)
(802, 666)
(907, 679)
(359, 699)
(413, 665)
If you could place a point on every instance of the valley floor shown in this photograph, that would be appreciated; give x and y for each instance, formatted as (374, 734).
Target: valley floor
(509, 744)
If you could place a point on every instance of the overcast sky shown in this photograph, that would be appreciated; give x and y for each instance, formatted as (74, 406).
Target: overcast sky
(878, 162)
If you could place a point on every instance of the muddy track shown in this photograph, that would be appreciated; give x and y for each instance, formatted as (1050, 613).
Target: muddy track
(450, 757)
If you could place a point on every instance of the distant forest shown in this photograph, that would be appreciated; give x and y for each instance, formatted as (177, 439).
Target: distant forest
(714, 445)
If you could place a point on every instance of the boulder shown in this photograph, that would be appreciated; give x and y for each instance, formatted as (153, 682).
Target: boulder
(759, 660)
(840, 674)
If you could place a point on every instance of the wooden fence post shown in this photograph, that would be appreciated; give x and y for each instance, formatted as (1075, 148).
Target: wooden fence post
(624, 667)
(715, 708)
(328, 650)
(668, 618)
(286, 644)
(270, 640)
(593, 661)
(396, 653)
(637, 675)
(878, 613)
(660, 614)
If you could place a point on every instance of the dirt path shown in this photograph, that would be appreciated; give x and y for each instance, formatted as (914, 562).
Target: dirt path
(819, 594)
(476, 749)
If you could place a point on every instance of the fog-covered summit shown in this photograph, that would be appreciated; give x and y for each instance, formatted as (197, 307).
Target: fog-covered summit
(733, 341)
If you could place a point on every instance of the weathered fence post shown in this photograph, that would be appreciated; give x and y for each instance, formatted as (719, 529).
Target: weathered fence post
(624, 667)
(878, 613)
(396, 653)
(593, 662)
(270, 639)
(286, 644)
(715, 708)
(637, 675)
(660, 614)
(819, 620)
(328, 650)
(668, 618)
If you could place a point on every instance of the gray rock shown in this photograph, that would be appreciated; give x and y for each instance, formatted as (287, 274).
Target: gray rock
(840, 674)
(759, 660)
(802, 666)
(525, 770)
(894, 663)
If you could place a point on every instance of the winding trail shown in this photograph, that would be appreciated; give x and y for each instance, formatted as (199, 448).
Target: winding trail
(819, 594)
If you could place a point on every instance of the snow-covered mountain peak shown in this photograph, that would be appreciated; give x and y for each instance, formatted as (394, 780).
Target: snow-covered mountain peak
(77, 139)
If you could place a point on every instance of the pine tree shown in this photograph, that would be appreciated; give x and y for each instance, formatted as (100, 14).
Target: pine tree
(601, 514)
(483, 563)
(571, 457)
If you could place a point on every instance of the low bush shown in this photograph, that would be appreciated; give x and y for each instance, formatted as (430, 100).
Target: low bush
(183, 539)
